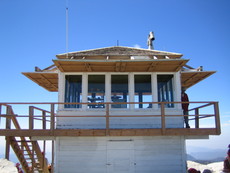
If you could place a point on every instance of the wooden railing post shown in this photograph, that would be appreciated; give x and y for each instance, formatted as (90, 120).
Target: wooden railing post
(0, 112)
(31, 117)
(217, 117)
(197, 123)
(52, 162)
(107, 120)
(52, 117)
(8, 126)
(163, 118)
(43, 120)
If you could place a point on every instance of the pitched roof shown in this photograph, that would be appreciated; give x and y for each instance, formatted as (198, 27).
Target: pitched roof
(118, 51)
(116, 59)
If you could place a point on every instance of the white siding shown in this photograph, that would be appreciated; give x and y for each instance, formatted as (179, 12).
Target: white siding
(118, 122)
(113, 154)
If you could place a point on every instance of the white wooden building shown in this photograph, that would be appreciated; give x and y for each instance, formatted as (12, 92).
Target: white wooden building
(119, 110)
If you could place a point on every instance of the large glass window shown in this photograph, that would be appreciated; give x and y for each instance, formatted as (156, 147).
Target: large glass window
(73, 90)
(143, 90)
(165, 89)
(119, 87)
(96, 90)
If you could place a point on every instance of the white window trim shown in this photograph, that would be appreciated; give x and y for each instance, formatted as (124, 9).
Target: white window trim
(176, 87)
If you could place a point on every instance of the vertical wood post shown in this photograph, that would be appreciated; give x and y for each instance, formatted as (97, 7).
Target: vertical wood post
(43, 120)
(7, 149)
(8, 118)
(31, 117)
(107, 120)
(52, 117)
(162, 118)
(197, 123)
(0, 112)
(43, 156)
(217, 117)
(33, 159)
(8, 126)
(52, 163)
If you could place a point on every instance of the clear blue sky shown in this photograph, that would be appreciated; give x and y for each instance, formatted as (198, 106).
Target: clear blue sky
(33, 32)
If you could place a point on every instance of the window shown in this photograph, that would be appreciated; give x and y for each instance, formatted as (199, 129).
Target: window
(73, 90)
(96, 90)
(165, 89)
(143, 90)
(119, 87)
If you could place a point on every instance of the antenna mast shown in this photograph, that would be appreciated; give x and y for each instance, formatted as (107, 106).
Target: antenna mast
(67, 28)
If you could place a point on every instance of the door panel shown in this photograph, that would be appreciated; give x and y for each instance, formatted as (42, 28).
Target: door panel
(120, 157)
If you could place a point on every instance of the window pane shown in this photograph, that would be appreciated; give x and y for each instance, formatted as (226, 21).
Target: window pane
(165, 89)
(143, 90)
(96, 90)
(119, 91)
(73, 90)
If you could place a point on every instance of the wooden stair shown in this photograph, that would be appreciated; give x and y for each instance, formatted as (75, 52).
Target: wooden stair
(27, 151)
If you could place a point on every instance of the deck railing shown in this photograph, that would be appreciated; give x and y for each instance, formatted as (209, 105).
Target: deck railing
(203, 116)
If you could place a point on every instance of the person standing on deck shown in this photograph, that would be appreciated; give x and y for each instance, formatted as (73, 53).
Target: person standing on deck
(184, 98)
(227, 161)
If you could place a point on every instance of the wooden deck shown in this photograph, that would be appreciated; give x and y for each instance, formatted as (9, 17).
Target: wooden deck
(111, 132)
(23, 130)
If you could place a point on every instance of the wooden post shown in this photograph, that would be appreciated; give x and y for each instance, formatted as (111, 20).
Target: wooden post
(43, 120)
(52, 117)
(31, 117)
(52, 163)
(33, 159)
(7, 149)
(8, 118)
(107, 120)
(197, 123)
(162, 118)
(217, 117)
(0, 112)
(8, 126)
(43, 156)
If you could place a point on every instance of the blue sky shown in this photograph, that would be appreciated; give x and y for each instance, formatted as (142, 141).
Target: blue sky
(33, 32)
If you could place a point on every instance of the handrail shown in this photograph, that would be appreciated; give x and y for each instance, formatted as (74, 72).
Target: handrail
(10, 140)
(107, 110)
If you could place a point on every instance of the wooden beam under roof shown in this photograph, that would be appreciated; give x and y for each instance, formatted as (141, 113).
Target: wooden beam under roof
(152, 67)
(88, 67)
(161, 65)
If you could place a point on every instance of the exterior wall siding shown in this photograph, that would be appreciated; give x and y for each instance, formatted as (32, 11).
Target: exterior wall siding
(120, 154)
(118, 122)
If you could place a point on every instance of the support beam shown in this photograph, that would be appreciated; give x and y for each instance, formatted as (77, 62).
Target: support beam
(88, 67)
(112, 132)
(152, 67)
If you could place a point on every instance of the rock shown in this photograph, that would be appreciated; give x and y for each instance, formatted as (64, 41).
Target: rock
(215, 167)
(7, 166)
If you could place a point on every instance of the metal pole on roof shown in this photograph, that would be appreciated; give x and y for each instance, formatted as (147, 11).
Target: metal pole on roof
(67, 28)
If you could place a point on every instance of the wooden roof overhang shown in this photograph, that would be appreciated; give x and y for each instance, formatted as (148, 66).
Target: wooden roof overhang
(159, 65)
(190, 78)
(47, 80)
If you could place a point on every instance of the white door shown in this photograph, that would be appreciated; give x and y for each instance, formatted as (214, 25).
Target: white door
(120, 156)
